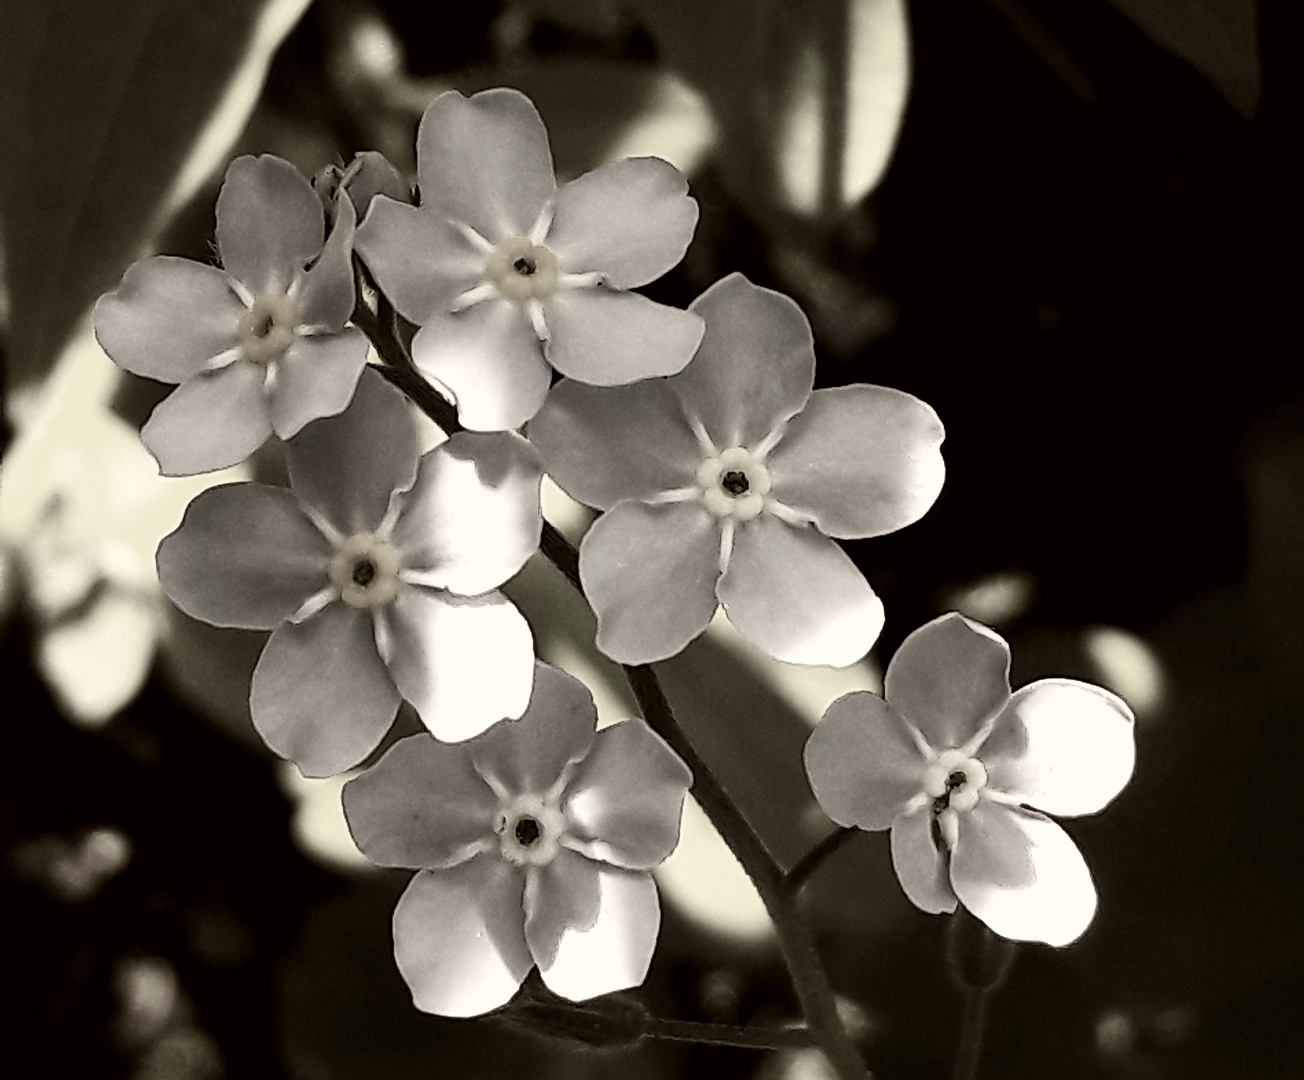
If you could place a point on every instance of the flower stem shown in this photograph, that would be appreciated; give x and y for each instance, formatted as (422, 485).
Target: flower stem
(757, 1038)
(810, 862)
(979, 960)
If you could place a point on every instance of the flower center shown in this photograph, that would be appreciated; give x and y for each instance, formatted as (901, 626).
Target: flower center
(955, 783)
(266, 330)
(365, 570)
(529, 830)
(734, 485)
(522, 270)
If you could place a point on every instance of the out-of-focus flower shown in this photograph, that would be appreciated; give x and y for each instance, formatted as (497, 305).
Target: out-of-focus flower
(507, 274)
(725, 483)
(377, 573)
(257, 346)
(952, 763)
(369, 174)
(533, 842)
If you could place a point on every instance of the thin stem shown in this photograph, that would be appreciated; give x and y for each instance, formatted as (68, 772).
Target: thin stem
(969, 1043)
(979, 961)
(810, 862)
(757, 1038)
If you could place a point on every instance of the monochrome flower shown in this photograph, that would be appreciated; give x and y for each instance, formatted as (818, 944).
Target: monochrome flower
(506, 273)
(533, 843)
(259, 345)
(377, 573)
(724, 484)
(954, 764)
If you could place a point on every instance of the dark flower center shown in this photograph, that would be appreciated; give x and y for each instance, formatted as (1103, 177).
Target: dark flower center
(364, 573)
(527, 831)
(524, 266)
(735, 482)
(264, 326)
(956, 779)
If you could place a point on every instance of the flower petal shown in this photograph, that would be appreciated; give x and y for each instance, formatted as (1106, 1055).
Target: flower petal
(755, 366)
(919, 866)
(861, 460)
(1056, 907)
(627, 796)
(527, 756)
(422, 805)
(862, 763)
(211, 422)
(463, 664)
(270, 223)
(797, 595)
(328, 293)
(606, 338)
(1063, 746)
(472, 517)
(321, 696)
(458, 937)
(244, 555)
(168, 317)
(619, 442)
(491, 360)
(485, 161)
(562, 894)
(948, 678)
(990, 849)
(419, 260)
(316, 378)
(347, 467)
(615, 953)
(630, 220)
(649, 574)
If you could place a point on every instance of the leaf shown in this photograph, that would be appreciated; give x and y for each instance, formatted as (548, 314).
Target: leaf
(1219, 38)
(114, 113)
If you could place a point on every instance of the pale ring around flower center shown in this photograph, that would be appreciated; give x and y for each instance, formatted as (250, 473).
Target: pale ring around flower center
(266, 330)
(734, 485)
(522, 270)
(529, 830)
(955, 781)
(365, 570)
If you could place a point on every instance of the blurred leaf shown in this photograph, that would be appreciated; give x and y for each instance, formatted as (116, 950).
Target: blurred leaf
(1217, 37)
(809, 95)
(110, 111)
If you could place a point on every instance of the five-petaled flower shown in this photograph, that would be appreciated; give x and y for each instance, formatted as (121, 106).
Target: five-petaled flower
(506, 273)
(377, 572)
(952, 762)
(726, 482)
(533, 843)
(258, 346)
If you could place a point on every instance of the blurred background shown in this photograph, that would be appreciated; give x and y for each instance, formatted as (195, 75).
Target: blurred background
(1063, 223)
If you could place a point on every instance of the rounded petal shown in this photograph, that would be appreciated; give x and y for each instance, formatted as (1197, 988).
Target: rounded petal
(485, 161)
(1056, 906)
(607, 338)
(990, 849)
(270, 223)
(321, 696)
(562, 894)
(212, 422)
(422, 806)
(458, 937)
(949, 678)
(419, 260)
(755, 366)
(797, 595)
(649, 574)
(347, 467)
(463, 664)
(1063, 746)
(615, 953)
(861, 460)
(370, 174)
(919, 865)
(316, 378)
(328, 293)
(611, 443)
(472, 517)
(244, 556)
(862, 762)
(627, 796)
(630, 220)
(491, 360)
(168, 317)
(527, 756)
